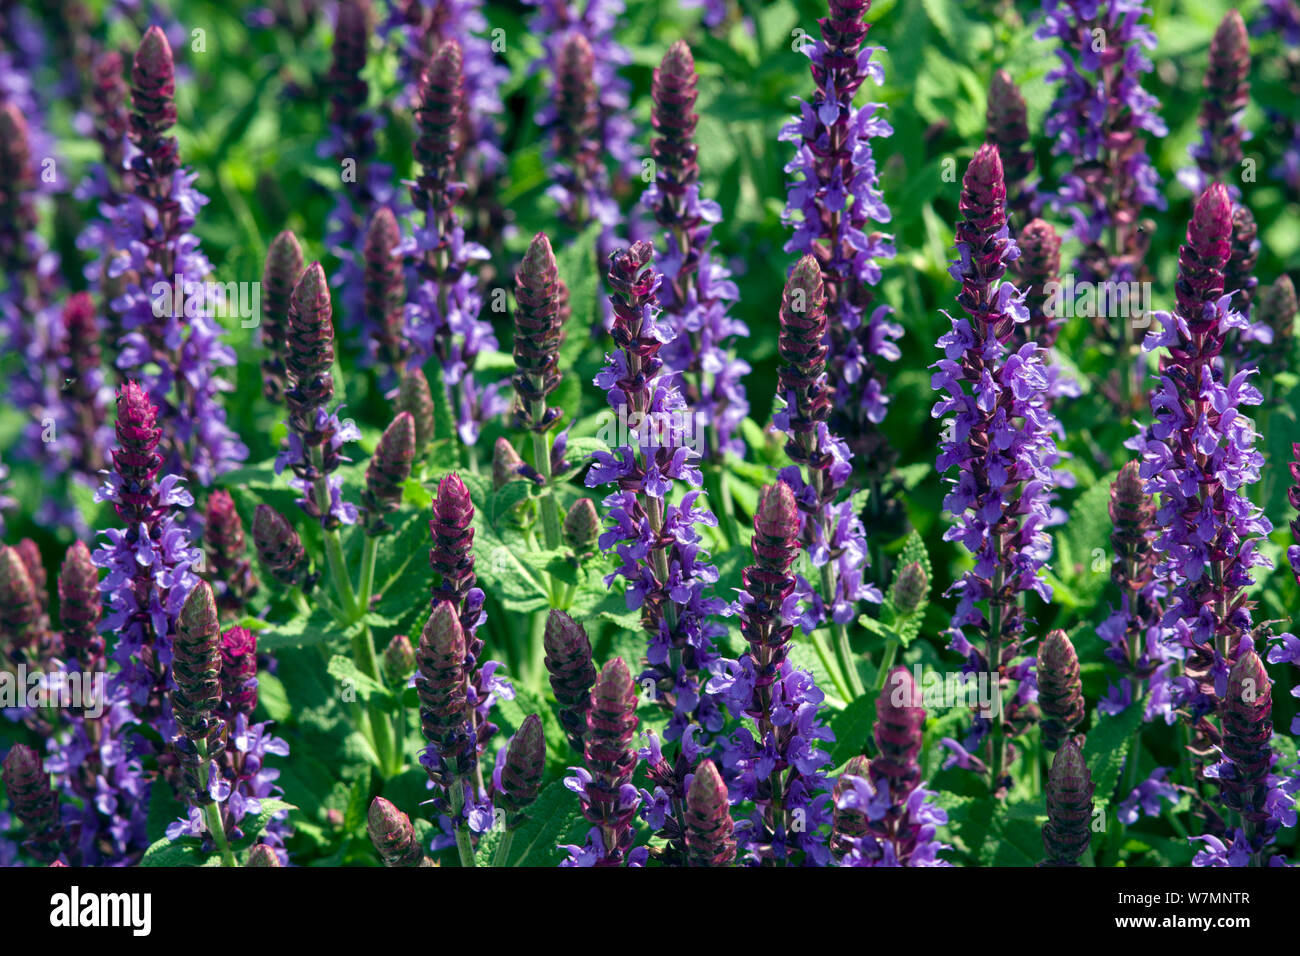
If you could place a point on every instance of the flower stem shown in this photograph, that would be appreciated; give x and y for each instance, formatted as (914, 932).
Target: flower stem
(368, 553)
(211, 811)
(464, 848)
(550, 509)
(503, 848)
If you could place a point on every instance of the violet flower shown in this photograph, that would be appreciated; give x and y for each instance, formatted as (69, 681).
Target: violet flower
(779, 765)
(442, 311)
(1001, 441)
(830, 529)
(174, 352)
(1199, 458)
(1281, 19)
(697, 290)
(657, 540)
(149, 559)
(604, 785)
(897, 814)
(316, 435)
(834, 204)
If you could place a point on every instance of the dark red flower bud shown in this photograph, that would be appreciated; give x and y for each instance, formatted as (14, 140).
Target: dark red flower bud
(196, 669)
(900, 719)
(568, 661)
(414, 396)
(673, 93)
(442, 687)
(452, 554)
(387, 472)
(768, 581)
(1227, 93)
(35, 804)
(310, 348)
(385, 286)
(392, 834)
(399, 661)
(232, 572)
(1060, 691)
(911, 588)
(1068, 829)
(280, 549)
(539, 333)
(238, 672)
(136, 458)
(81, 348)
(1277, 310)
(521, 777)
(577, 126)
(17, 211)
(80, 608)
(1202, 258)
(21, 617)
(153, 84)
(506, 463)
(1247, 730)
(1007, 121)
(109, 93)
(611, 724)
(284, 265)
(802, 348)
(1039, 264)
(1133, 514)
(438, 124)
(30, 552)
(1239, 274)
(710, 836)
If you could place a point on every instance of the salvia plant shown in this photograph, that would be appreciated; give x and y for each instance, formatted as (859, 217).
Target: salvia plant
(459, 434)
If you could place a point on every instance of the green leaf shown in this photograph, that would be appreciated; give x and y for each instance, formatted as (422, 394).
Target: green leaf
(167, 852)
(852, 728)
(553, 818)
(343, 669)
(1107, 747)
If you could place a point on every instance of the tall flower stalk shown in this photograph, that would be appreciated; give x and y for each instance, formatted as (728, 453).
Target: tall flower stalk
(778, 765)
(1099, 122)
(1001, 441)
(1199, 458)
(175, 352)
(835, 206)
(657, 540)
(697, 290)
(442, 309)
(831, 531)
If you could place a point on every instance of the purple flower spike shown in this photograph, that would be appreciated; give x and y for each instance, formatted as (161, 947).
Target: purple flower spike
(1060, 691)
(316, 436)
(80, 609)
(572, 674)
(1199, 459)
(280, 549)
(1218, 155)
(1007, 121)
(834, 205)
(1000, 438)
(232, 572)
(284, 265)
(710, 839)
(657, 540)
(35, 804)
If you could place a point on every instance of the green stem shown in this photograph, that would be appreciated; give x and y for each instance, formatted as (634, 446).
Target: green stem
(542, 456)
(464, 848)
(886, 663)
(503, 848)
(211, 811)
(368, 554)
(842, 649)
(831, 668)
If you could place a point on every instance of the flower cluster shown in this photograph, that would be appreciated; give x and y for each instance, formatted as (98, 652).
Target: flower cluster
(832, 533)
(316, 436)
(657, 540)
(883, 816)
(442, 312)
(1199, 457)
(834, 201)
(779, 765)
(172, 341)
(1000, 439)
(697, 290)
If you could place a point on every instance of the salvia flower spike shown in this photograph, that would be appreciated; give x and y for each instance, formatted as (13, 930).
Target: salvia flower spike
(1247, 731)
(393, 836)
(539, 331)
(710, 839)
(284, 265)
(1068, 829)
(389, 468)
(1060, 691)
(316, 435)
(232, 572)
(398, 661)
(1007, 122)
(519, 774)
(697, 290)
(414, 396)
(604, 787)
(80, 608)
(35, 804)
(835, 207)
(1218, 153)
(238, 673)
(385, 291)
(572, 673)
(280, 549)
(196, 669)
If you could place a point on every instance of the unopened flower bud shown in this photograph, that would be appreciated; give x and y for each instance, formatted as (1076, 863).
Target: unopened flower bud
(521, 776)
(398, 661)
(1068, 829)
(911, 587)
(710, 837)
(1060, 690)
(582, 526)
(387, 472)
(392, 834)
